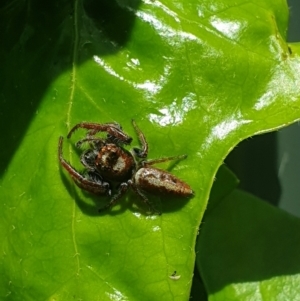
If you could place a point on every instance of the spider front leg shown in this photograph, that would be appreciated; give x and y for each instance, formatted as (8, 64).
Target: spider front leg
(92, 183)
(88, 183)
(88, 159)
(114, 130)
(93, 141)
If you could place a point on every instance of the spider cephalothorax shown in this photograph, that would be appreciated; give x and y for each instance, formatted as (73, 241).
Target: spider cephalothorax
(107, 161)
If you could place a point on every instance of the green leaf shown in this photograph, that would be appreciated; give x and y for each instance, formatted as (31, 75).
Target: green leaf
(197, 78)
(249, 250)
(226, 182)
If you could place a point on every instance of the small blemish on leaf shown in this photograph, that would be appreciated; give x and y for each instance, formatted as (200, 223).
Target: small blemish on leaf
(174, 276)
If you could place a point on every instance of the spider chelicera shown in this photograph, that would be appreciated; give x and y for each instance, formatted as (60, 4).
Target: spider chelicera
(107, 161)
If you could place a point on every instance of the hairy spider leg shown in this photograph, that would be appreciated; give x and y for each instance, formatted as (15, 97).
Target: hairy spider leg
(79, 179)
(113, 129)
(141, 153)
(160, 160)
(83, 159)
(94, 127)
(121, 191)
(94, 140)
(143, 197)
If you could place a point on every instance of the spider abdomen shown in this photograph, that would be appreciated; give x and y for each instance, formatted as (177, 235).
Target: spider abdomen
(157, 181)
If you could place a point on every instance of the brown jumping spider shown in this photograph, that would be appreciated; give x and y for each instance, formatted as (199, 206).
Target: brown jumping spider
(107, 161)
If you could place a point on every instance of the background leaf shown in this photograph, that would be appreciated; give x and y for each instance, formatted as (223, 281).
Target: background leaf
(197, 78)
(248, 249)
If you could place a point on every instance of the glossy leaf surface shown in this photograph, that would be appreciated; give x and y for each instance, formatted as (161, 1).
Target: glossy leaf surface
(197, 78)
(249, 250)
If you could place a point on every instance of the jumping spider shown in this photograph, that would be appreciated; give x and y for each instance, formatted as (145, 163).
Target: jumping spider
(107, 161)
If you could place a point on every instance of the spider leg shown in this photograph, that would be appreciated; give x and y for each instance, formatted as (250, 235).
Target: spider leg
(88, 158)
(160, 160)
(113, 129)
(143, 197)
(121, 191)
(93, 183)
(141, 153)
(93, 141)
